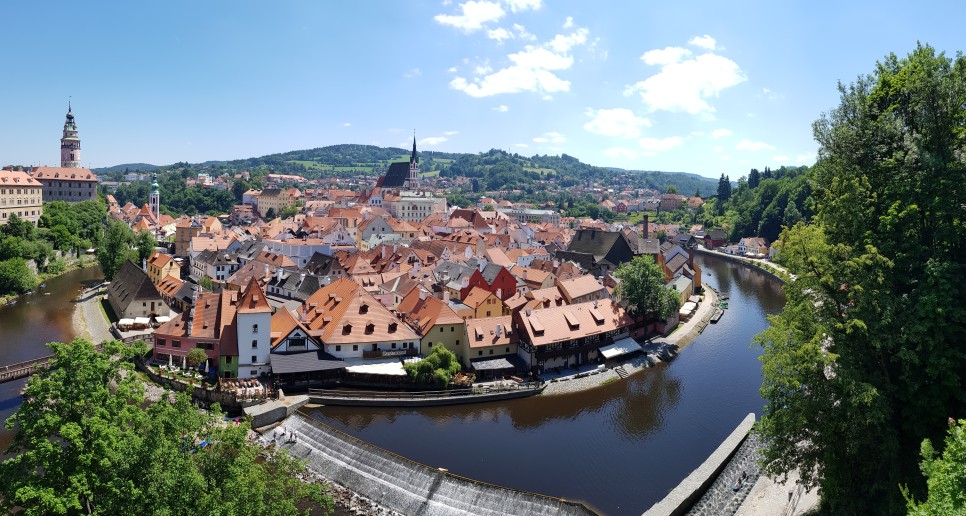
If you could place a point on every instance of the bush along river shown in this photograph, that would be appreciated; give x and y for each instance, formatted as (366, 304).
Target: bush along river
(618, 448)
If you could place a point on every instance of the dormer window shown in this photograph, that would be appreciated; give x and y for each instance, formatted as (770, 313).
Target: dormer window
(347, 329)
(364, 308)
(370, 328)
(392, 327)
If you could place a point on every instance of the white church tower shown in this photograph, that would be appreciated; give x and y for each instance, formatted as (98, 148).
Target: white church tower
(154, 198)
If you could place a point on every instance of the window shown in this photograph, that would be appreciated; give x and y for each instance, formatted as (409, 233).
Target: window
(160, 342)
(491, 351)
(441, 329)
(253, 372)
(508, 349)
(481, 352)
(457, 342)
(254, 343)
(430, 344)
(452, 329)
(228, 359)
(254, 328)
(176, 343)
(487, 313)
(338, 348)
(296, 343)
(393, 345)
(254, 360)
(355, 347)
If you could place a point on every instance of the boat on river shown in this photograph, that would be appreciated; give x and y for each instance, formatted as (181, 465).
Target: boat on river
(716, 316)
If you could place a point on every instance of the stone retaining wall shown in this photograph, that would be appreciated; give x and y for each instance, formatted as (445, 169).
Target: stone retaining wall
(684, 496)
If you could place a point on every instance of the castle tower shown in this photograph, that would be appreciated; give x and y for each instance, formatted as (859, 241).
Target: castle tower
(154, 198)
(70, 143)
(412, 182)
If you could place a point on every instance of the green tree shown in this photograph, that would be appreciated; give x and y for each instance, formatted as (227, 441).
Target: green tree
(642, 286)
(724, 188)
(945, 475)
(754, 177)
(206, 283)
(17, 227)
(270, 214)
(145, 243)
(671, 189)
(15, 276)
(436, 369)
(115, 248)
(196, 357)
(85, 444)
(866, 360)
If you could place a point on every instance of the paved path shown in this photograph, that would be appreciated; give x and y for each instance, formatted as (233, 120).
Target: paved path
(768, 498)
(88, 319)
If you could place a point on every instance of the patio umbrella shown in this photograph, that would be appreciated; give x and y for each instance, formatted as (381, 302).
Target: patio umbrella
(170, 358)
(184, 362)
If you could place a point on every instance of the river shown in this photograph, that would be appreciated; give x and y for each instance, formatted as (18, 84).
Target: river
(618, 448)
(27, 326)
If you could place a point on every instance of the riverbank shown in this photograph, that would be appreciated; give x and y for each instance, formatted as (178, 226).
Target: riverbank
(768, 267)
(88, 319)
(78, 263)
(592, 377)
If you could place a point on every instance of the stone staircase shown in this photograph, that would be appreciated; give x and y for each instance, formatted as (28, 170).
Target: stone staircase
(621, 372)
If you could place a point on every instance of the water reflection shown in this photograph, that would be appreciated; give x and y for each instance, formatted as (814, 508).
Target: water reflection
(619, 447)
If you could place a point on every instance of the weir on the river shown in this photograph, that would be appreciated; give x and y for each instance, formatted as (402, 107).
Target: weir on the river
(408, 487)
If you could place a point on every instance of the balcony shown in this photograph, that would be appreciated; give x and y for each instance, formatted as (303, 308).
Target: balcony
(386, 353)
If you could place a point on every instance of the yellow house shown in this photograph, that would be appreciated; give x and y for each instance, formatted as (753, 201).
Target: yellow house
(491, 347)
(485, 304)
(435, 322)
(161, 266)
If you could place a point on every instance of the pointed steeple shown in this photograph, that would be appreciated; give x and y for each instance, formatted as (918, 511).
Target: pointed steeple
(414, 158)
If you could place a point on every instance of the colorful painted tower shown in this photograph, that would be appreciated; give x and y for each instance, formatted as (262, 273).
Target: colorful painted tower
(70, 143)
(154, 198)
(412, 182)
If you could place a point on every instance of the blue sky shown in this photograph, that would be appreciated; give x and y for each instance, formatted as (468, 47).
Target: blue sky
(704, 87)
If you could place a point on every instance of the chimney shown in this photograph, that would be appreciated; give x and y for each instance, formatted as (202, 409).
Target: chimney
(499, 293)
(646, 225)
(267, 272)
(422, 295)
(524, 274)
(499, 330)
(278, 275)
(446, 296)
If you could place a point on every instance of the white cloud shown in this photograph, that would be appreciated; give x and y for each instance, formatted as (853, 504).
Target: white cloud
(661, 144)
(705, 41)
(721, 133)
(561, 43)
(617, 122)
(433, 140)
(347, 124)
(770, 95)
(522, 32)
(474, 15)
(551, 137)
(451, 133)
(452, 69)
(483, 69)
(684, 82)
(499, 34)
(521, 145)
(665, 56)
(718, 148)
(532, 69)
(748, 145)
(569, 22)
(780, 159)
(523, 5)
(412, 72)
(621, 152)
(502, 108)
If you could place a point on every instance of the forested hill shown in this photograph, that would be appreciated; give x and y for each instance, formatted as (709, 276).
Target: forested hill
(495, 169)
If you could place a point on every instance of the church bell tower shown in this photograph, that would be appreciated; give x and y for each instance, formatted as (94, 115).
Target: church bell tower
(154, 198)
(70, 143)
(412, 182)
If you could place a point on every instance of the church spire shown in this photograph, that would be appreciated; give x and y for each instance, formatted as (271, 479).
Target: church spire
(414, 158)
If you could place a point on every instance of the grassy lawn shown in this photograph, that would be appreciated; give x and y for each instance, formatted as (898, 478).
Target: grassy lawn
(434, 173)
(107, 311)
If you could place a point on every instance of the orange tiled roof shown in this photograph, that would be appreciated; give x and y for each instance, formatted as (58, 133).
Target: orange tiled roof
(342, 312)
(482, 332)
(64, 174)
(573, 321)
